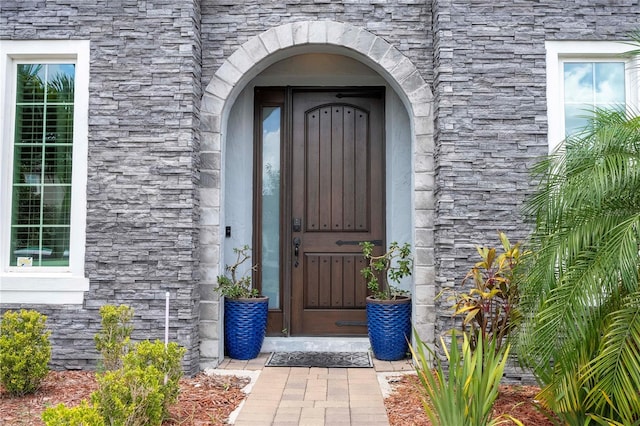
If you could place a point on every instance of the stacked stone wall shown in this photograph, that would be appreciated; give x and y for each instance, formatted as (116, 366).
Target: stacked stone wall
(491, 113)
(405, 24)
(142, 201)
(151, 59)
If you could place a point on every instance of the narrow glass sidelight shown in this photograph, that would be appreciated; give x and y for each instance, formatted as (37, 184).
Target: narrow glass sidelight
(271, 147)
(41, 184)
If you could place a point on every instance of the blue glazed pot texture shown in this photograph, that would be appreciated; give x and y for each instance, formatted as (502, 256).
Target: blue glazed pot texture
(245, 325)
(389, 325)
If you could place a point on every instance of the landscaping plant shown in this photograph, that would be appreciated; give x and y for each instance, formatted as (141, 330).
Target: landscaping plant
(490, 309)
(464, 394)
(25, 351)
(113, 339)
(166, 360)
(137, 393)
(581, 296)
(141, 392)
(82, 415)
(393, 265)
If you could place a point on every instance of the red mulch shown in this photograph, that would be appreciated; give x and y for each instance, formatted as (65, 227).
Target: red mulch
(404, 405)
(203, 399)
(208, 400)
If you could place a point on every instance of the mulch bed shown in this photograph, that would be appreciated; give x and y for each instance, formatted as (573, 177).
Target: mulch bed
(208, 400)
(203, 399)
(404, 405)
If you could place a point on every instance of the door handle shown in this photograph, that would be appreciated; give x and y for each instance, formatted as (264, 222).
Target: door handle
(296, 251)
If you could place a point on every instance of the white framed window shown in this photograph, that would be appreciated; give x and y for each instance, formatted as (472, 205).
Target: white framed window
(44, 91)
(582, 76)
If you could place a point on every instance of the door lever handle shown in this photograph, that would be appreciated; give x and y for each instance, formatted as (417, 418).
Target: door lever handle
(296, 251)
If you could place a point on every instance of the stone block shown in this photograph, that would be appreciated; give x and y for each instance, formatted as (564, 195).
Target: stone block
(285, 35)
(424, 181)
(209, 216)
(335, 32)
(424, 256)
(349, 37)
(423, 125)
(209, 311)
(210, 349)
(403, 69)
(318, 32)
(424, 276)
(300, 31)
(212, 104)
(255, 49)
(229, 73)
(423, 162)
(379, 49)
(425, 219)
(270, 40)
(364, 42)
(424, 200)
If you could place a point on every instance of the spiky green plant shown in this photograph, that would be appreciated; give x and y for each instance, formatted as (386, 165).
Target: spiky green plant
(464, 395)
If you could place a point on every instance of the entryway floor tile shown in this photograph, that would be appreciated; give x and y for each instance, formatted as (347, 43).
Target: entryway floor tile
(312, 396)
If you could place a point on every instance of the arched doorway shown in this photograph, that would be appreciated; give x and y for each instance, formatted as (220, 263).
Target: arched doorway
(323, 54)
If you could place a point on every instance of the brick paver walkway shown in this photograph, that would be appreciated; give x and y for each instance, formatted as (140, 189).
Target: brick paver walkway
(314, 396)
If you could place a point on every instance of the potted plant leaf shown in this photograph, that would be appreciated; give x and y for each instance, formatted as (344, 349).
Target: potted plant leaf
(388, 306)
(245, 311)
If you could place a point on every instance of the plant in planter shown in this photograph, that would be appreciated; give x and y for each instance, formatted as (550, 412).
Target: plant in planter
(388, 306)
(245, 311)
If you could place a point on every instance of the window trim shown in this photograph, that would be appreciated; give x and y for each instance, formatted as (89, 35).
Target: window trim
(557, 52)
(47, 285)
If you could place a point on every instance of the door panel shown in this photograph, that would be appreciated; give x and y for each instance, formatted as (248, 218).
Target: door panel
(338, 194)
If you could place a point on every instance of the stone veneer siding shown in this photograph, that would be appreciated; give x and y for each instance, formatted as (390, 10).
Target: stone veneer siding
(491, 113)
(484, 59)
(142, 198)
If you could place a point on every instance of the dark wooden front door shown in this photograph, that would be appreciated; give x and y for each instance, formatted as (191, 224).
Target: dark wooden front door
(337, 184)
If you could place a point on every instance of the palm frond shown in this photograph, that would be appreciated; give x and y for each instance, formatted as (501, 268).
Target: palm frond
(580, 332)
(616, 370)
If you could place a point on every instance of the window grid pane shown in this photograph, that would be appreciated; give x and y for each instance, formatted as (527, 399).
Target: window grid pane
(591, 85)
(42, 164)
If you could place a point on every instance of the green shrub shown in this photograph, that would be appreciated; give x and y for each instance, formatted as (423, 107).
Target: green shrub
(130, 397)
(113, 339)
(466, 396)
(82, 415)
(137, 393)
(166, 360)
(25, 351)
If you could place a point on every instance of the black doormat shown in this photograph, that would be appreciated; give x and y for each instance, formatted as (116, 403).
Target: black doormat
(320, 359)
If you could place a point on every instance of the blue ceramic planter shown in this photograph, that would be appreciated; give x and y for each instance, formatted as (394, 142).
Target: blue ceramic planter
(245, 324)
(389, 324)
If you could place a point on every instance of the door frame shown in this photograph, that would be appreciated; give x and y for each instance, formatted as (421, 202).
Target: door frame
(279, 321)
